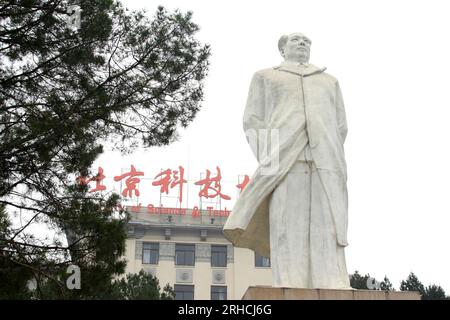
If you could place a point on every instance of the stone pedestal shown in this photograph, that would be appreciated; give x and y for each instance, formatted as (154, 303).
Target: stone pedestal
(270, 293)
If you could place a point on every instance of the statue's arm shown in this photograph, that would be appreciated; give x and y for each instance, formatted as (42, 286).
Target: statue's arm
(340, 112)
(254, 114)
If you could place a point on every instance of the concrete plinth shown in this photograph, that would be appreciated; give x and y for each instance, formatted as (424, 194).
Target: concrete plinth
(270, 293)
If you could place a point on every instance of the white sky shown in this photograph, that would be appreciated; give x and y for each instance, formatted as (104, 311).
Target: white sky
(392, 62)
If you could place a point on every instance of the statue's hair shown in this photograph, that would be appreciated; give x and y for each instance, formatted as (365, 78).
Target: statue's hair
(282, 42)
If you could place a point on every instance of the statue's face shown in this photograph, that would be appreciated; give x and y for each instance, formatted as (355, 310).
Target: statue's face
(297, 48)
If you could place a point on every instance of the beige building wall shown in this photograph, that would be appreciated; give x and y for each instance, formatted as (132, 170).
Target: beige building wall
(240, 272)
(246, 274)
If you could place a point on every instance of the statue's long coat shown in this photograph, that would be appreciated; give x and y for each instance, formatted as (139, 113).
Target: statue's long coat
(304, 104)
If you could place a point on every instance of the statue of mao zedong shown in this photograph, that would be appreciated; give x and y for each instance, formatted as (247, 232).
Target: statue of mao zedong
(295, 207)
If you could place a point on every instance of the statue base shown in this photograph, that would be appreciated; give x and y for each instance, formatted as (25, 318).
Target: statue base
(270, 293)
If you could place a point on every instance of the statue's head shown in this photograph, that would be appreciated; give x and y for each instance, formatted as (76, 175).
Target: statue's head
(295, 47)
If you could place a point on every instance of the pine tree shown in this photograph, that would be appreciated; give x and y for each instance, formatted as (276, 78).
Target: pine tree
(434, 292)
(412, 283)
(141, 286)
(121, 77)
(13, 278)
(359, 282)
(386, 284)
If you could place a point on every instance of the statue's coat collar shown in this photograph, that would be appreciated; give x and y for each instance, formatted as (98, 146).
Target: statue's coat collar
(301, 69)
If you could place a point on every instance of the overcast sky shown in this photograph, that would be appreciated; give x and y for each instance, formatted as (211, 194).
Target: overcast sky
(392, 61)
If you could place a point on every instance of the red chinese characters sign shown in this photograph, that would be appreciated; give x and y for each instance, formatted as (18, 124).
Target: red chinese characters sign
(169, 179)
(216, 187)
(194, 212)
(210, 186)
(98, 181)
(130, 182)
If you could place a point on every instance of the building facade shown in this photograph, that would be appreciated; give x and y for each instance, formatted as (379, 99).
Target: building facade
(186, 248)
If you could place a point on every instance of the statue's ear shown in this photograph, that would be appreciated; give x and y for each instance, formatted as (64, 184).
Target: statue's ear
(282, 52)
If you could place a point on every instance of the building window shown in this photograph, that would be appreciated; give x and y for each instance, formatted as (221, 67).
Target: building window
(184, 292)
(150, 253)
(185, 254)
(261, 261)
(218, 293)
(218, 256)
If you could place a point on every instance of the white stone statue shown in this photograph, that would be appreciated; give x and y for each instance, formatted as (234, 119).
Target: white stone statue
(297, 213)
